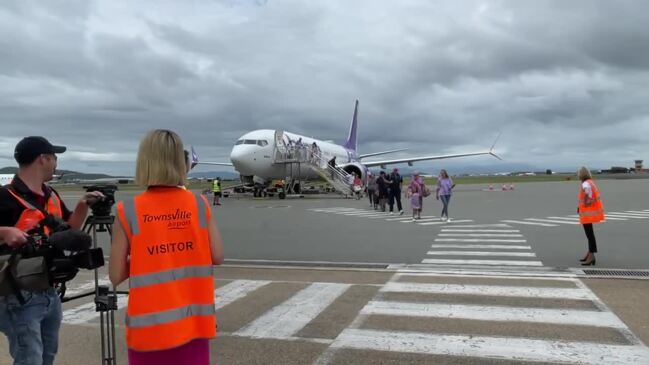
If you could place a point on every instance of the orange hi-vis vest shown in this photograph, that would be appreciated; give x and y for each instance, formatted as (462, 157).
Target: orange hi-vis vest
(31, 216)
(593, 212)
(171, 296)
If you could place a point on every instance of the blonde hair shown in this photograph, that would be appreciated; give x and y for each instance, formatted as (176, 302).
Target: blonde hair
(583, 173)
(161, 160)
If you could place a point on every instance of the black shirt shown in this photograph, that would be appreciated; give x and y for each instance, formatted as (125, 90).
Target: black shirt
(397, 180)
(11, 209)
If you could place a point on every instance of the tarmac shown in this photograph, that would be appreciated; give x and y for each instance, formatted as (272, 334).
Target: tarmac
(323, 280)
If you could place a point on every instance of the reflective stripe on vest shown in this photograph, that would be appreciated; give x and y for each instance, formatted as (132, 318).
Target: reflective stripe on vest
(593, 212)
(171, 300)
(31, 216)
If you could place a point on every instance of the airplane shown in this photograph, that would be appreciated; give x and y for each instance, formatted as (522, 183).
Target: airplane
(257, 155)
(6, 179)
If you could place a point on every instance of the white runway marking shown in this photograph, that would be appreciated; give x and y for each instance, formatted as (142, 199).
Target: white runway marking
(495, 247)
(86, 312)
(495, 313)
(422, 220)
(477, 240)
(451, 222)
(550, 221)
(530, 223)
(481, 230)
(87, 286)
(479, 235)
(643, 215)
(489, 290)
(638, 212)
(503, 348)
(481, 253)
(481, 225)
(482, 262)
(571, 219)
(286, 319)
(403, 218)
(236, 290)
(620, 215)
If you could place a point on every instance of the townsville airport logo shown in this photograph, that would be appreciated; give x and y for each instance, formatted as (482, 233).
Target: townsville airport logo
(180, 219)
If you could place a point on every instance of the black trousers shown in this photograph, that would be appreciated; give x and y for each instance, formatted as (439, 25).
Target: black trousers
(370, 194)
(395, 195)
(590, 234)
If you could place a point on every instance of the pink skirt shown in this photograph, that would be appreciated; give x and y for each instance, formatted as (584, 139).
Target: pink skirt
(196, 352)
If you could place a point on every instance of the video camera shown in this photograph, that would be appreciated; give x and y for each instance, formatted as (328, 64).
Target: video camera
(61, 267)
(102, 207)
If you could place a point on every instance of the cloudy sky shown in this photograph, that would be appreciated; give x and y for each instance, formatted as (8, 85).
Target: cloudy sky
(565, 81)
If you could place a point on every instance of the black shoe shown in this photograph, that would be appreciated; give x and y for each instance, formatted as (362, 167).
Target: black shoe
(589, 263)
(584, 259)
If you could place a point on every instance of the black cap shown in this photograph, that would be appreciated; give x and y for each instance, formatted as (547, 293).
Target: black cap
(31, 147)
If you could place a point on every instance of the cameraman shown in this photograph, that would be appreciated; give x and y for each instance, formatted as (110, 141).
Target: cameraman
(31, 319)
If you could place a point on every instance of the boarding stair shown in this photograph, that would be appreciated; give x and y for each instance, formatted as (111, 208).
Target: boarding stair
(295, 156)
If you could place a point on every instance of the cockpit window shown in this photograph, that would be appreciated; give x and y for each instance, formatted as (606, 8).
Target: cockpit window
(249, 141)
(262, 143)
(239, 142)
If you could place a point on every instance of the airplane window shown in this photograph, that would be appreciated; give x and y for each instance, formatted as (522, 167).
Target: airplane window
(262, 143)
(249, 141)
(239, 142)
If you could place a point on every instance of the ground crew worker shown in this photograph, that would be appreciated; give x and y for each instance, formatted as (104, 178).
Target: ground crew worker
(591, 210)
(216, 190)
(165, 242)
(31, 319)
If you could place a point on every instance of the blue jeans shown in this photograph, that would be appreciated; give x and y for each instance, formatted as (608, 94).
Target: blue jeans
(445, 199)
(32, 328)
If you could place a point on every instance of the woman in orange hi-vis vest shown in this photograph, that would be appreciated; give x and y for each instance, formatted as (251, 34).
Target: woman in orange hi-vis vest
(165, 242)
(591, 210)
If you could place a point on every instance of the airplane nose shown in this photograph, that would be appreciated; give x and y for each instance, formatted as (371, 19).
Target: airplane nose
(241, 160)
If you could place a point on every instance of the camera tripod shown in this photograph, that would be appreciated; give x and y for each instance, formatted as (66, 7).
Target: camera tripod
(105, 299)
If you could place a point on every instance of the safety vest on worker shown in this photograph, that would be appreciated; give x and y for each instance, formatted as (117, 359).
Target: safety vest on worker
(31, 216)
(171, 296)
(593, 212)
(216, 186)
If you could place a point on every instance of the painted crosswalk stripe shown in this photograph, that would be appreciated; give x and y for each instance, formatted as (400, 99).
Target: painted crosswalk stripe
(409, 218)
(480, 230)
(621, 215)
(495, 247)
(631, 213)
(477, 240)
(489, 290)
(286, 319)
(450, 222)
(638, 212)
(529, 223)
(479, 235)
(496, 225)
(576, 219)
(495, 313)
(549, 221)
(501, 348)
(86, 312)
(236, 290)
(482, 262)
(481, 253)
(87, 286)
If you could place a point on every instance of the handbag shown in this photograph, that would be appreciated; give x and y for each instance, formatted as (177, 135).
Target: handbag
(426, 191)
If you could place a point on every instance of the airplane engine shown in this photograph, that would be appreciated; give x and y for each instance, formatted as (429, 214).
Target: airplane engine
(356, 168)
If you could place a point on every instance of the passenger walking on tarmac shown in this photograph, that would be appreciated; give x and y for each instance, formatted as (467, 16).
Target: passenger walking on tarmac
(395, 191)
(591, 210)
(165, 242)
(216, 190)
(444, 190)
(416, 191)
(382, 186)
(371, 189)
(358, 186)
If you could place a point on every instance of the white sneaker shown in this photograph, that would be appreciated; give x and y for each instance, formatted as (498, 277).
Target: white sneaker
(401, 212)
(448, 219)
(414, 220)
(391, 213)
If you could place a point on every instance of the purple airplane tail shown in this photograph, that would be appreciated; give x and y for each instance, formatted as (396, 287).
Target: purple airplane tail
(351, 143)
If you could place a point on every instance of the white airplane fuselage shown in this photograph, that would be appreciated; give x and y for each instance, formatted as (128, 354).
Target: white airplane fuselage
(254, 155)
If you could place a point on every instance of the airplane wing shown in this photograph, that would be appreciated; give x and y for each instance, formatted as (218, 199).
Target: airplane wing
(380, 153)
(410, 160)
(195, 161)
